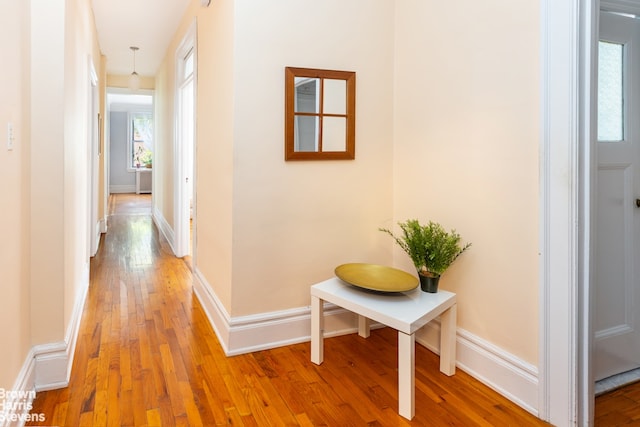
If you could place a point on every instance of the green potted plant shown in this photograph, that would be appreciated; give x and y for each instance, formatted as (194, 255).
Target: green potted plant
(431, 248)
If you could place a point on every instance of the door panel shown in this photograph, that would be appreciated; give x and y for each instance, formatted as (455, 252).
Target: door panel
(616, 324)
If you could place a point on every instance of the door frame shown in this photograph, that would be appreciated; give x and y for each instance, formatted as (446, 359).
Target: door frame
(181, 206)
(93, 165)
(568, 59)
(569, 47)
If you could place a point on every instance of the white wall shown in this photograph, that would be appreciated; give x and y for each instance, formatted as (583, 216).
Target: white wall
(466, 153)
(215, 126)
(272, 227)
(45, 93)
(47, 180)
(59, 158)
(164, 110)
(447, 116)
(294, 222)
(447, 129)
(14, 215)
(214, 135)
(118, 173)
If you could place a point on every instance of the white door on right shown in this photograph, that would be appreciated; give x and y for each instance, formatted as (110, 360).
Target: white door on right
(617, 293)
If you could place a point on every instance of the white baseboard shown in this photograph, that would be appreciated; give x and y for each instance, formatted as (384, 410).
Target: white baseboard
(246, 334)
(98, 235)
(164, 228)
(113, 189)
(102, 225)
(510, 376)
(53, 361)
(213, 308)
(46, 367)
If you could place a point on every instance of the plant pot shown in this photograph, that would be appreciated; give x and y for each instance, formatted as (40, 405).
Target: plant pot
(429, 283)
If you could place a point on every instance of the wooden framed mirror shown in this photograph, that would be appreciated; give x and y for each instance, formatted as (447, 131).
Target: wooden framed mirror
(320, 114)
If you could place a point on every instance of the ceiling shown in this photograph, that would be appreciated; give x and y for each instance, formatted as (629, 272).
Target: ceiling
(147, 24)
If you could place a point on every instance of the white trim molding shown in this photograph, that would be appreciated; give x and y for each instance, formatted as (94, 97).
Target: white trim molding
(125, 188)
(505, 373)
(102, 225)
(218, 317)
(569, 34)
(53, 361)
(164, 227)
(512, 377)
(184, 149)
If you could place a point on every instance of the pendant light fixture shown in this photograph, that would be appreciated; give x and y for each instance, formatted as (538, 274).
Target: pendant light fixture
(134, 78)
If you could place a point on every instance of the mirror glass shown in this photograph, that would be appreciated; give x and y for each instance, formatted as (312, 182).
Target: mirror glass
(335, 96)
(307, 95)
(334, 134)
(319, 114)
(306, 133)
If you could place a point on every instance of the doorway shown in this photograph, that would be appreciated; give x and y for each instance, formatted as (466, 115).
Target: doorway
(616, 355)
(93, 166)
(185, 206)
(129, 148)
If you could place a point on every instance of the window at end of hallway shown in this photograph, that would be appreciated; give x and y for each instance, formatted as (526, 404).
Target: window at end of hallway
(141, 140)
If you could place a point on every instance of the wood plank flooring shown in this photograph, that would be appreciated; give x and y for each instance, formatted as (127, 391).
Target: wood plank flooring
(147, 356)
(619, 407)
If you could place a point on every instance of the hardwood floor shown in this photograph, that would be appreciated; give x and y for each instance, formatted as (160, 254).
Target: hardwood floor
(147, 356)
(619, 407)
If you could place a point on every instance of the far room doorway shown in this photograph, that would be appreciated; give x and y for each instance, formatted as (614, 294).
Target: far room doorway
(130, 141)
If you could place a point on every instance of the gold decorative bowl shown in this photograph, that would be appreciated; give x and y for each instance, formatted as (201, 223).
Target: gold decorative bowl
(376, 277)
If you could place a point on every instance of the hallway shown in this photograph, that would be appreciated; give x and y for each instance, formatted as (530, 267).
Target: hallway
(146, 355)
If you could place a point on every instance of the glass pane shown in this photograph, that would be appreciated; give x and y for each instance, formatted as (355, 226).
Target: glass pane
(335, 96)
(142, 139)
(334, 134)
(610, 92)
(306, 133)
(306, 100)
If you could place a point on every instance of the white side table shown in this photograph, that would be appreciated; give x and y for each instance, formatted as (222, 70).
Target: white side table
(405, 312)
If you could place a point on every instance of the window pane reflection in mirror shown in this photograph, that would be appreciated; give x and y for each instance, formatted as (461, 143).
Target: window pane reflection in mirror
(306, 135)
(307, 99)
(334, 133)
(335, 96)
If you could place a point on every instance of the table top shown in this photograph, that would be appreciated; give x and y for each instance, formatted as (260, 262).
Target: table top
(403, 311)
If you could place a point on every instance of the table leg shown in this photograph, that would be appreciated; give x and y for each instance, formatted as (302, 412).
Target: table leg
(364, 329)
(406, 375)
(317, 330)
(448, 341)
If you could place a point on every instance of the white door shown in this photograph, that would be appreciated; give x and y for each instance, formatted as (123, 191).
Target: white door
(617, 294)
